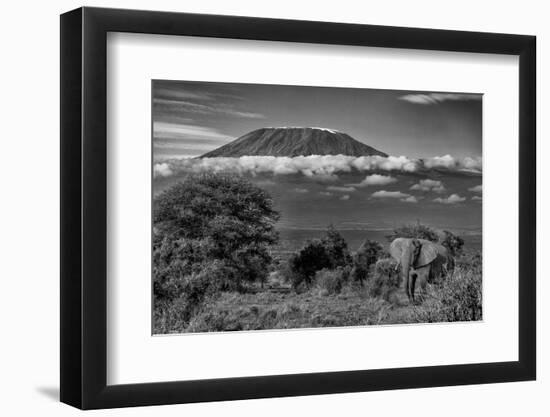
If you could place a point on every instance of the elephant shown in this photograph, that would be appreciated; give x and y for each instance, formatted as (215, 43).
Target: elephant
(420, 260)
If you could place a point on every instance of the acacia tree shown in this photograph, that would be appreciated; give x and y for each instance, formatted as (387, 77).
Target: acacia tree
(336, 248)
(417, 230)
(311, 258)
(217, 222)
(330, 252)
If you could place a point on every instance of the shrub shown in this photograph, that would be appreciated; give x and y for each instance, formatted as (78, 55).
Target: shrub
(289, 309)
(458, 299)
(336, 248)
(187, 294)
(364, 258)
(385, 279)
(470, 260)
(330, 281)
(311, 258)
(174, 261)
(452, 242)
(462, 296)
(417, 230)
(329, 252)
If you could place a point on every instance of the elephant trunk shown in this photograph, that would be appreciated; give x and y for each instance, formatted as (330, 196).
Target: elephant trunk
(406, 263)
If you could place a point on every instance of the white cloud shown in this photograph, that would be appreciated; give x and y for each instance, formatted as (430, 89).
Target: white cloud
(325, 193)
(404, 197)
(429, 185)
(185, 131)
(452, 199)
(199, 108)
(389, 194)
(435, 98)
(448, 162)
(477, 198)
(163, 93)
(301, 190)
(390, 163)
(471, 164)
(476, 189)
(162, 170)
(410, 199)
(341, 189)
(322, 167)
(344, 197)
(376, 179)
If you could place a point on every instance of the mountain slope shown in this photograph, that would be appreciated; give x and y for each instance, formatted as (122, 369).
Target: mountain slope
(293, 141)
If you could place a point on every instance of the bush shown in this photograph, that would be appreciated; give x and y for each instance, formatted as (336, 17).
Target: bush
(187, 294)
(385, 280)
(174, 261)
(330, 252)
(336, 248)
(364, 258)
(458, 299)
(330, 281)
(311, 258)
(452, 242)
(470, 260)
(418, 231)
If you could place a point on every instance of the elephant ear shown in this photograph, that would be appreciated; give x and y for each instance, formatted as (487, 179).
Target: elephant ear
(396, 248)
(428, 253)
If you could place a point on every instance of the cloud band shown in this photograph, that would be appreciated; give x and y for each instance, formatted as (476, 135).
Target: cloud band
(327, 166)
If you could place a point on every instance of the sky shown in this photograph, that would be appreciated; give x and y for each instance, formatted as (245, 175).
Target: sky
(192, 118)
(433, 173)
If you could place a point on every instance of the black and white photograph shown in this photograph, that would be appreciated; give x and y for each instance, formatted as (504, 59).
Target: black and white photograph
(284, 207)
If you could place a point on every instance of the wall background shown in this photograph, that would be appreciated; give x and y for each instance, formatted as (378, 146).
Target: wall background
(29, 213)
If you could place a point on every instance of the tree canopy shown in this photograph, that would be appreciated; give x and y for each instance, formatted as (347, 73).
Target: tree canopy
(220, 223)
(417, 230)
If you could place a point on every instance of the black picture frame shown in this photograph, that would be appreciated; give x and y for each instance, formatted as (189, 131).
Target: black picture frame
(84, 207)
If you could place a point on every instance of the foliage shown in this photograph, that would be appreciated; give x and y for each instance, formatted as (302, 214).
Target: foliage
(366, 256)
(452, 242)
(380, 301)
(385, 280)
(469, 260)
(232, 311)
(213, 218)
(331, 281)
(311, 258)
(459, 299)
(211, 233)
(418, 231)
(336, 248)
(329, 252)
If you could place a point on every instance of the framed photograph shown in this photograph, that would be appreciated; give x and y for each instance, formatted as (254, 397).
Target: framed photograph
(257, 208)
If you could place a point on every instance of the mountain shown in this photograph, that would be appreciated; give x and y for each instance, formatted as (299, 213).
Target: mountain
(293, 141)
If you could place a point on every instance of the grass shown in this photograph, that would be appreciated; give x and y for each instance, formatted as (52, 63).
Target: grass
(266, 310)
